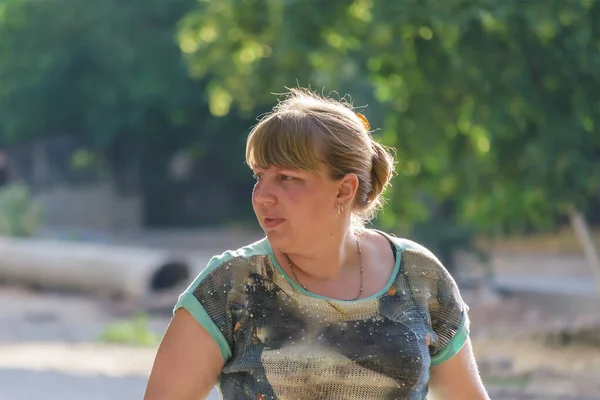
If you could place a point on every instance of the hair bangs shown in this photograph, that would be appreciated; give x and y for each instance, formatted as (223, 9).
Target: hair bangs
(287, 141)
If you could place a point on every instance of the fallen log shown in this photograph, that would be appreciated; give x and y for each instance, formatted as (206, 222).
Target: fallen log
(133, 273)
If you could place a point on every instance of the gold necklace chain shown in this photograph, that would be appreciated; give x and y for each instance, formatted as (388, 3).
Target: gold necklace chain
(293, 267)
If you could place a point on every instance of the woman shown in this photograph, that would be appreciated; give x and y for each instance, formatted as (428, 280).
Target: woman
(321, 308)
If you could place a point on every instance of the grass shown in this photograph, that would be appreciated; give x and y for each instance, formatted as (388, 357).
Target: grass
(135, 332)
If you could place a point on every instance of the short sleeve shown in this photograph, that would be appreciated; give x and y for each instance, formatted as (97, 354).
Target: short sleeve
(440, 299)
(206, 300)
(449, 317)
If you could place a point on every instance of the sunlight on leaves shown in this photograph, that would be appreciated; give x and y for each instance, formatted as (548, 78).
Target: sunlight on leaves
(219, 101)
(208, 33)
(426, 33)
(361, 10)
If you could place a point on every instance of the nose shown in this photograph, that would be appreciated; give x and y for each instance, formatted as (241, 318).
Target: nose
(263, 192)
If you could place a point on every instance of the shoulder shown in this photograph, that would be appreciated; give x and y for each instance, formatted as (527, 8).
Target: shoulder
(208, 296)
(248, 252)
(417, 252)
(419, 263)
(230, 264)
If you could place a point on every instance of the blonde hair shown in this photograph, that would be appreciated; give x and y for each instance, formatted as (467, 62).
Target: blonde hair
(306, 129)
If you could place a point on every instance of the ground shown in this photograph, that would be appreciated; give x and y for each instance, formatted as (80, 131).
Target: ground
(521, 359)
(525, 348)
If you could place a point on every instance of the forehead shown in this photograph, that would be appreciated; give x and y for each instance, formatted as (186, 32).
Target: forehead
(284, 144)
(322, 170)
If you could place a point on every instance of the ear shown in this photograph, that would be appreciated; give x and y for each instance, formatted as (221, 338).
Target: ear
(348, 186)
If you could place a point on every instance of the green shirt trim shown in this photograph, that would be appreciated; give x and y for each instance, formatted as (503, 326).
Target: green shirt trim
(387, 287)
(189, 302)
(454, 345)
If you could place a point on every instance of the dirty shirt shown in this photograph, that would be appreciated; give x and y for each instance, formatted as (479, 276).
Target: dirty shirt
(280, 341)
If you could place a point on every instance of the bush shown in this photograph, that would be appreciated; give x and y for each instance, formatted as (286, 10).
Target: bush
(135, 332)
(20, 214)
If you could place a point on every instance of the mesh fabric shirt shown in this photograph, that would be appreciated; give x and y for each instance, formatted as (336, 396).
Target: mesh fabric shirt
(280, 341)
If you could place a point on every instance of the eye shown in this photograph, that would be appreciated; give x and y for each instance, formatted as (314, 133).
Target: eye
(287, 177)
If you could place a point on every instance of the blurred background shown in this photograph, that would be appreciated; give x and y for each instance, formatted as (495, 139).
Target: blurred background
(122, 134)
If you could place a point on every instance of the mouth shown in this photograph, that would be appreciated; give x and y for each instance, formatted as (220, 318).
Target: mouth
(271, 222)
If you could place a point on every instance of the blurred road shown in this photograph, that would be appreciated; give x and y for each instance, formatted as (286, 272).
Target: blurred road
(49, 350)
(20, 384)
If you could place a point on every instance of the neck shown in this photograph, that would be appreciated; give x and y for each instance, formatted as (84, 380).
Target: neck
(330, 261)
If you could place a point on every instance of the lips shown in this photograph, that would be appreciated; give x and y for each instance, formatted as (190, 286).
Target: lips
(271, 222)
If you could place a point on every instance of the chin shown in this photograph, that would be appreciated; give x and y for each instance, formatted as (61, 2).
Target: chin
(277, 239)
(273, 235)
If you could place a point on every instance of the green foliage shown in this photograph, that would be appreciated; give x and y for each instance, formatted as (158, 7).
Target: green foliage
(112, 73)
(115, 58)
(20, 214)
(491, 104)
(134, 332)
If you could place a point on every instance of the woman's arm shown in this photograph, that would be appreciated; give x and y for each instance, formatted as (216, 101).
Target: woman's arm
(187, 364)
(458, 378)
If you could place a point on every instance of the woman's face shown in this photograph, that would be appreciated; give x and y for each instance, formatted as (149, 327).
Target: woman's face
(295, 207)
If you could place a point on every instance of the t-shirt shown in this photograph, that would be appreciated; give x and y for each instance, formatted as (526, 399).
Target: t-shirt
(280, 341)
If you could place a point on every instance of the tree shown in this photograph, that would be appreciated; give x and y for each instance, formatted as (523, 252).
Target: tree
(491, 105)
(112, 72)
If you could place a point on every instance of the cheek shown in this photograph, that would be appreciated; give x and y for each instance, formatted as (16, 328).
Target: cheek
(311, 204)
(252, 199)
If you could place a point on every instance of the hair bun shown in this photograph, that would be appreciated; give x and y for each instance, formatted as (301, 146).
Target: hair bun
(381, 171)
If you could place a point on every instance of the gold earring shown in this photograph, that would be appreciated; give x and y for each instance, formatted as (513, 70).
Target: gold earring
(338, 208)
